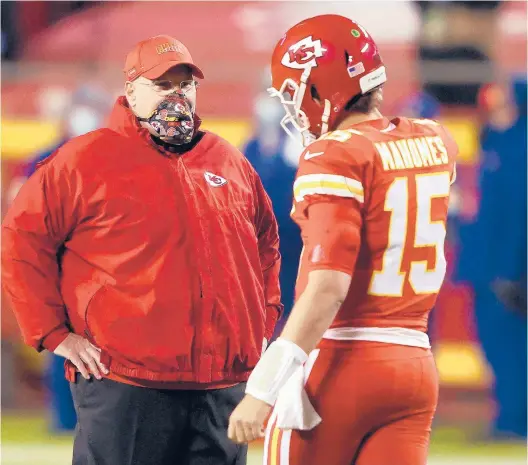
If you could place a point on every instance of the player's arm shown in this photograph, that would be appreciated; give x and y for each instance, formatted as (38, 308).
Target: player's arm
(332, 240)
(328, 207)
(316, 308)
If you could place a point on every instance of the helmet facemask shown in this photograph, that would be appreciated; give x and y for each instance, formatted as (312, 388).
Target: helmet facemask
(291, 95)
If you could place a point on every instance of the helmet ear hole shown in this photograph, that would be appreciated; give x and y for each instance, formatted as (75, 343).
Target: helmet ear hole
(350, 104)
(347, 58)
(315, 95)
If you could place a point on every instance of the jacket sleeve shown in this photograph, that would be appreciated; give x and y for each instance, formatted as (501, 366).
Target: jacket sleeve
(34, 229)
(270, 259)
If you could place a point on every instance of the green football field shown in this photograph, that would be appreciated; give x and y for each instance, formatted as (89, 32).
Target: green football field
(25, 441)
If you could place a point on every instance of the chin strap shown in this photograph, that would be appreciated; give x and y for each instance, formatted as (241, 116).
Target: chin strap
(326, 117)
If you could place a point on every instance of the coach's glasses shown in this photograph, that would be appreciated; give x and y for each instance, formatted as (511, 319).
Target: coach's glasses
(168, 86)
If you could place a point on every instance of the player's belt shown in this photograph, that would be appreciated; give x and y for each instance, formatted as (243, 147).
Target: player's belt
(401, 336)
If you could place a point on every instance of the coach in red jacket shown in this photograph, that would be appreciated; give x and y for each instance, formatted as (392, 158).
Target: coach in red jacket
(146, 253)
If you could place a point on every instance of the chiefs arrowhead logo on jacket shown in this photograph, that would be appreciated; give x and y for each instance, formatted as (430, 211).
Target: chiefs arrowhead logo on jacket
(214, 180)
(303, 54)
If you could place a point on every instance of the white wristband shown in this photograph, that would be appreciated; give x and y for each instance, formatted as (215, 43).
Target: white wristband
(275, 367)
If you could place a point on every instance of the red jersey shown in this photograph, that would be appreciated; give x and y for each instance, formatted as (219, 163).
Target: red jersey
(371, 201)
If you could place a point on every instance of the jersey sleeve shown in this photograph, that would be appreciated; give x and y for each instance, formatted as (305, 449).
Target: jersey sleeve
(329, 198)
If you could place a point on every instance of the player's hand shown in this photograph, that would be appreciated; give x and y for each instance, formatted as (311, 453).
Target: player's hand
(84, 355)
(247, 420)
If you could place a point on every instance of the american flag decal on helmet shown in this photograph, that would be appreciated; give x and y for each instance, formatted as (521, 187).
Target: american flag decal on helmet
(356, 69)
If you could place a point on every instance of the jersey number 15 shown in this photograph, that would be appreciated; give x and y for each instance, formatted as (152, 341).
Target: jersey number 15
(390, 280)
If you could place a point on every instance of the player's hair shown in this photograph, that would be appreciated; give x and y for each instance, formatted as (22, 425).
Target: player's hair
(364, 103)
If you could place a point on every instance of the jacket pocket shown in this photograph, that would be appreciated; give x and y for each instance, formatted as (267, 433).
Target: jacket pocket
(87, 331)
(137, 332)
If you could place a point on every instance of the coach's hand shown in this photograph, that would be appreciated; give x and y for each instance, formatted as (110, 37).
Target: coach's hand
(84, 355)
(247, 420)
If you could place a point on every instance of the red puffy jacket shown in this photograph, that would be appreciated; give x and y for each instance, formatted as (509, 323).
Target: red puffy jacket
(169, 263)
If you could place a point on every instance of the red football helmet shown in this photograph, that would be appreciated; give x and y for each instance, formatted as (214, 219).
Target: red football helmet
(329, 57)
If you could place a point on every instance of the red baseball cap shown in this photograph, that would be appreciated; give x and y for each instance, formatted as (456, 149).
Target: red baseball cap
(152, 57)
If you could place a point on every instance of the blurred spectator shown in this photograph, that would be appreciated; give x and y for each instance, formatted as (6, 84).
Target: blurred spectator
(493, 253)
(419, 105)
(275, 157)
(455, 58)
(86, 112)
(88, 107)
(9, 42)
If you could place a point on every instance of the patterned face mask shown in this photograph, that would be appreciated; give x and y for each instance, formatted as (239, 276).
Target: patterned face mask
(173, 120)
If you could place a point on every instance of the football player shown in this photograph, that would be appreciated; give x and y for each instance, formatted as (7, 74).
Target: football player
(352, 378)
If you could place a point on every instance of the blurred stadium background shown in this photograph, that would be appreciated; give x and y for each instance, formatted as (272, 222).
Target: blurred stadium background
(454, 61)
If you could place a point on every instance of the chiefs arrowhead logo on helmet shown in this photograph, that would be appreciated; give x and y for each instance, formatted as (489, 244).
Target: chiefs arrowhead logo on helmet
(303, 54)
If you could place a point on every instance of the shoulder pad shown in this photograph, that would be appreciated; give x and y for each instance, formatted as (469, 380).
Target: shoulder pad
(341, 135)
(333, 140)
(339, 146)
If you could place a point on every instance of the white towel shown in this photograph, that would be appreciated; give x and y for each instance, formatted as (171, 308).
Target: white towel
(293, 408)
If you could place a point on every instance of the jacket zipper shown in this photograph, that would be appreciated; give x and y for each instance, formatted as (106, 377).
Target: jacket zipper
(206, 319)
(179, 160)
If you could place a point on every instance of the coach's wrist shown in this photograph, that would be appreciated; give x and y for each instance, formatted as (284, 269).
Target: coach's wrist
(272, 317)
(55, 338)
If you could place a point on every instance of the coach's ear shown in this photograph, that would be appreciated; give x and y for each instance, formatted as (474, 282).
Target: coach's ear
(130, 94)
